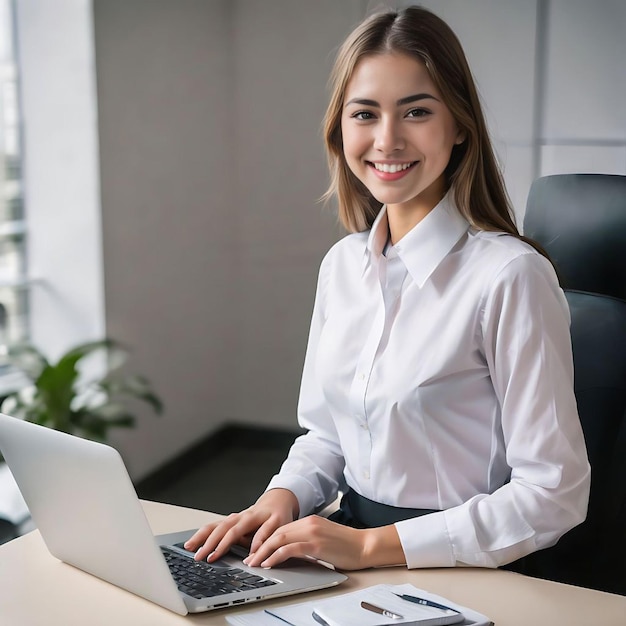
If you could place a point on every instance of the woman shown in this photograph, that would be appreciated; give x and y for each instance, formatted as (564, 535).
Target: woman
(437, 388)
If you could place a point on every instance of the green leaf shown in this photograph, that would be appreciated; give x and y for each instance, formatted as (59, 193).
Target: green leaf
(73, 356)
(62, 399)
(134, 387)
(56, 389)
(96, 423)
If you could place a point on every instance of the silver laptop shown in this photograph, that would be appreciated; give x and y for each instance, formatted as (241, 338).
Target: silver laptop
(87, 511)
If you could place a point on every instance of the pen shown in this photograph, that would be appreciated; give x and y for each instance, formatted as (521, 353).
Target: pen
(425, 602)
(380, 610)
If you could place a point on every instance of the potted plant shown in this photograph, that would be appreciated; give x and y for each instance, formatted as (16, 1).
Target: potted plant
(63, 396)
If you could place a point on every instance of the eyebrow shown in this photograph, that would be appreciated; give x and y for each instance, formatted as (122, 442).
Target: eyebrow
(401, 102)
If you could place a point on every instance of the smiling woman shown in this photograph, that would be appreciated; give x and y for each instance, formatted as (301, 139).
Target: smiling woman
(437, 389)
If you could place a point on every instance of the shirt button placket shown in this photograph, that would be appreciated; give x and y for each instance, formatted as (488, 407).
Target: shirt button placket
(358, 390)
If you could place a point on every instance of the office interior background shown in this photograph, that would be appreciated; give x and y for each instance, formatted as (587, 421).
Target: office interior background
(171, 164)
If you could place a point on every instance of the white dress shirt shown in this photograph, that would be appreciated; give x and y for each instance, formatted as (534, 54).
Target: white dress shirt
(440, 376)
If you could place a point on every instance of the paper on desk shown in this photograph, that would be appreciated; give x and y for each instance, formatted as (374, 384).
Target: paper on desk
(472, 618)
(301, 614)
(347, 609)
(12, 505)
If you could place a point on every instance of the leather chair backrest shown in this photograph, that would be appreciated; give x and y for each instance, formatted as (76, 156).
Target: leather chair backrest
(594, 553)
(580, 220)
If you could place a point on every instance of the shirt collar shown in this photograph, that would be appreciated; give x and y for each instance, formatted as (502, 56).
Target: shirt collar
(425, 246)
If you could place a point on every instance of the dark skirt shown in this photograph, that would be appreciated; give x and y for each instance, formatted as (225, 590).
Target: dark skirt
(358, 511)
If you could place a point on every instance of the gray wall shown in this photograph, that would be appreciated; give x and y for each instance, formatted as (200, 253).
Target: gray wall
(212, 164)
(165, 93)
(211, 167)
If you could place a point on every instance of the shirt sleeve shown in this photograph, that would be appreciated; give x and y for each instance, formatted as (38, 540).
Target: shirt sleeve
(313, 470)
(527, 346)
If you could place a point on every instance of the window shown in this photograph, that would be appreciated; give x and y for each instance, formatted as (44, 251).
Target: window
(13, 282)
(59, 296)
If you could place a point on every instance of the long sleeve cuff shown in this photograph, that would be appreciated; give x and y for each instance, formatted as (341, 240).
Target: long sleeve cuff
(426, 542)
(300, 487)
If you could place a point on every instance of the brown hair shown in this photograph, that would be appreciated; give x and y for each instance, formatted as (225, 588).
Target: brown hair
(479, 189)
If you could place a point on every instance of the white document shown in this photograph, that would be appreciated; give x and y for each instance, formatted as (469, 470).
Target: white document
(345, 610)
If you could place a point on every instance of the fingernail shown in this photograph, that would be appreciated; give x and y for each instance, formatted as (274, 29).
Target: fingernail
(210, 555)
(248, 558)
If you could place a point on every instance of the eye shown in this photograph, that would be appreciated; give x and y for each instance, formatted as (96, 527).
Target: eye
(418, 113)
(362, 115)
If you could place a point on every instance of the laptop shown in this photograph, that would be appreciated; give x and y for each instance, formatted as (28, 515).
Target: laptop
(84, 505)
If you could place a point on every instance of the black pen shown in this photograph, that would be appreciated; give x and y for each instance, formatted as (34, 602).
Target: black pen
(379, 609)
(425, 602)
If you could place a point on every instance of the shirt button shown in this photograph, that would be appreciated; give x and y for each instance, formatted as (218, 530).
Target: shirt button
(361, 376)
(364, 426)
(366, 475)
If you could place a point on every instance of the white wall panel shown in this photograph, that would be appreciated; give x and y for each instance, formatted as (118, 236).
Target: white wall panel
(583, 159)
(585, 90)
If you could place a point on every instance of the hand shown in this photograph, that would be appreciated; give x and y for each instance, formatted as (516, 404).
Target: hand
(272, 510)
(346, 548)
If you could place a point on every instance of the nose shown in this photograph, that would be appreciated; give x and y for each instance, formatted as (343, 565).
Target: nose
(388, 136)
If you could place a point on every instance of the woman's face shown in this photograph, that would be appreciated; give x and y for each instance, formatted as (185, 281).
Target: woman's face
(397, 132)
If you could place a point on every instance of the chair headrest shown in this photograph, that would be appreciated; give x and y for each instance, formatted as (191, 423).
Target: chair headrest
(580, 220)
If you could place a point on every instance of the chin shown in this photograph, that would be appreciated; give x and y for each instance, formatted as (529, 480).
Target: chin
(396, 199)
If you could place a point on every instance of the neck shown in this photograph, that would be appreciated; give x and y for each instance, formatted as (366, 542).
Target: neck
(405, 216)
(402, 221)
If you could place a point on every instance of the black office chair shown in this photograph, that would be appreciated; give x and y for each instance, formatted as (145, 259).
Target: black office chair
(594, 553)
(580, 219)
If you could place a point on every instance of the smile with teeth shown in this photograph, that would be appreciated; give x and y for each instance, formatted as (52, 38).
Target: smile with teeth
(392, 168)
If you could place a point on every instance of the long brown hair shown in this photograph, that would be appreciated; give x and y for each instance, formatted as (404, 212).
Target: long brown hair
(473, 171)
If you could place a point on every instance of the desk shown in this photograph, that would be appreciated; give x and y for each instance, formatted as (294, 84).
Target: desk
(36, 590)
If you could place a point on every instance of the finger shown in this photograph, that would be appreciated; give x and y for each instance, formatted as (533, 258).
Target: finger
(235, 535)
(200, 536)
(234, 530)
(265, 531)
(215, 536)
(275, 543)
(288, 551)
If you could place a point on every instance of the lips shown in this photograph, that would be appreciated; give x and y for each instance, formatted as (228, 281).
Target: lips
(391, 171)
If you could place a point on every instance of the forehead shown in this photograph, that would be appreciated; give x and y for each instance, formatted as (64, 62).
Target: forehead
(389, 74)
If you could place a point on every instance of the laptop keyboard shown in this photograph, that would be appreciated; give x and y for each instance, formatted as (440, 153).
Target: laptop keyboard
(200, 579)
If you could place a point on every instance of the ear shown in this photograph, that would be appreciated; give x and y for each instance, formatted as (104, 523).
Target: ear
(460, 138)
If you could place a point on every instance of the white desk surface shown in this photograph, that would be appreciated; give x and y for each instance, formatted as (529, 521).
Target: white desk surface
(38, 590)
